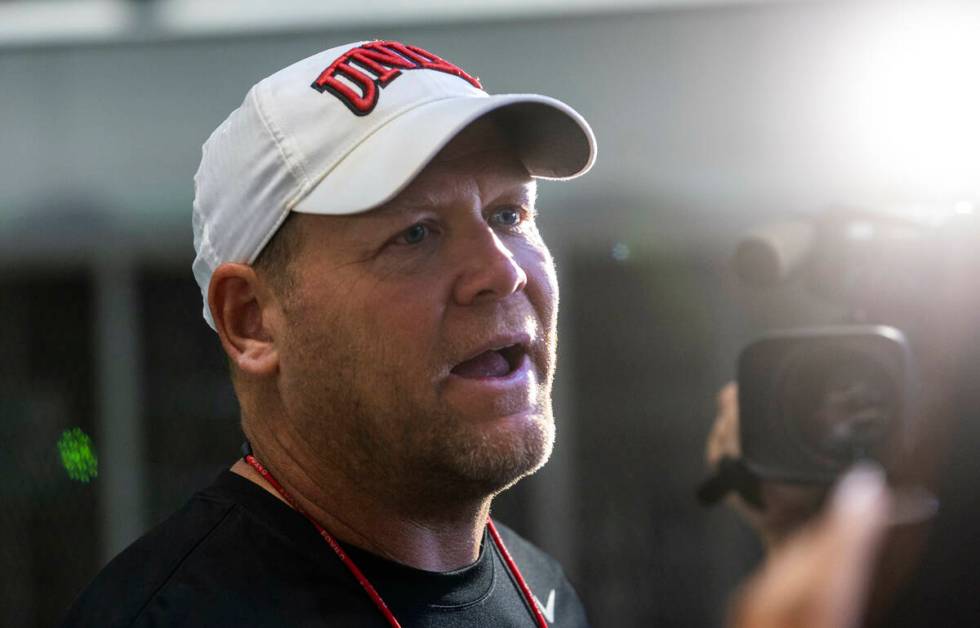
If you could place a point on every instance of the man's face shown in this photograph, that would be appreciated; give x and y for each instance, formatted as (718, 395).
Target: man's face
(419, 341)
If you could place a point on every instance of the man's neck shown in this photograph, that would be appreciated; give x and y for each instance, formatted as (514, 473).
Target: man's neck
(444, 541)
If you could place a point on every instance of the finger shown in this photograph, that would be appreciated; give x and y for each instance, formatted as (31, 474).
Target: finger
(723, 439)
(820, 578)
(727, 397)
(855, 529)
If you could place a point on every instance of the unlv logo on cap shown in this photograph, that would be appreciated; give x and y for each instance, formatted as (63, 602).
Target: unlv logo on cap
(376, 65)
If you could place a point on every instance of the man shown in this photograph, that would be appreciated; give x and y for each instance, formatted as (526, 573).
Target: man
(368, 255)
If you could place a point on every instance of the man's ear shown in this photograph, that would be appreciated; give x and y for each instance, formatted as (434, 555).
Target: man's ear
(242, 307)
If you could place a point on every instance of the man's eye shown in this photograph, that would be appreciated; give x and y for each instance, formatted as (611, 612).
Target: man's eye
(414, 234)
(509, 217)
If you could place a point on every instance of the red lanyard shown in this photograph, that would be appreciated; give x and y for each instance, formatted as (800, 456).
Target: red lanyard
(362, 579)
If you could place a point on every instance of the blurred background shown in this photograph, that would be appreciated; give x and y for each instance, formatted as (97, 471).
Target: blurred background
(712, 117)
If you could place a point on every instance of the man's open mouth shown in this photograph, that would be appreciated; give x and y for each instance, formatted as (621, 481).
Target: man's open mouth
(492, 363)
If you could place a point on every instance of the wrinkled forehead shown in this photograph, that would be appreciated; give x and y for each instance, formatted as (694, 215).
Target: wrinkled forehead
(473, 176)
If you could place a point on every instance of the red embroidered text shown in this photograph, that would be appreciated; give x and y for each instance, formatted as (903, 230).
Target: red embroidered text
(375, 65)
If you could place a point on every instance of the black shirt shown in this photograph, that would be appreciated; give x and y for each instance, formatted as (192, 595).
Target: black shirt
(234, 555)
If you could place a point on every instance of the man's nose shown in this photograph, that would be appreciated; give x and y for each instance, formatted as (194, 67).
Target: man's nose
(489, 269)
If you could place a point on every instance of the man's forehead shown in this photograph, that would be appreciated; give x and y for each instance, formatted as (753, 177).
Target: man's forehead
(352, 231)
(510, 186)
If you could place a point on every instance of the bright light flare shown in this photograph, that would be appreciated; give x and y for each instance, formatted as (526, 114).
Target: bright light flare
(916, 78)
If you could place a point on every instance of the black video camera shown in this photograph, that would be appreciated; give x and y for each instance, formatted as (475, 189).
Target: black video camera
(814, 401)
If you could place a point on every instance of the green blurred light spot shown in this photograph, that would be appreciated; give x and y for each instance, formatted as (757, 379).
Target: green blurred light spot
(77, 455)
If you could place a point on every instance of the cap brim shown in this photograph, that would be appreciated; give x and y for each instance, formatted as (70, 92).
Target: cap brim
(553, 140)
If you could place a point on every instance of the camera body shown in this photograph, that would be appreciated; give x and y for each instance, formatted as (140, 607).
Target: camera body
(814, 401)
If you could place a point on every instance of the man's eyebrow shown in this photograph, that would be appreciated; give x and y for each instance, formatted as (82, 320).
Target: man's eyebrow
(415, 200)
(525, 194)
(388, 209)
(394, 208)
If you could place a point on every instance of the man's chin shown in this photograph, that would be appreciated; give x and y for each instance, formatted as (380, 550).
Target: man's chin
(495, 458)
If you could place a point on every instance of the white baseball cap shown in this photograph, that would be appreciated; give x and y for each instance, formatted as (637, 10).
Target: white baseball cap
(344, 131)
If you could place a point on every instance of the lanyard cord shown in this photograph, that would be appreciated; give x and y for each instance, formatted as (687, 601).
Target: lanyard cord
(362, 579)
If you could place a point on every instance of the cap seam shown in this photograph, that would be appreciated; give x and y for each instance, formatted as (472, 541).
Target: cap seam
(295, 168)
(278, 139)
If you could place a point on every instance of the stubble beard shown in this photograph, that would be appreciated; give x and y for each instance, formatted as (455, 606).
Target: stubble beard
(453, 455)
(482, 463)
(438, 455)
(382, 439)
